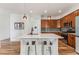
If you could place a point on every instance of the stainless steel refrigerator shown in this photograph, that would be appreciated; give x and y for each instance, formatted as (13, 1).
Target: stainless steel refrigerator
(77, 34)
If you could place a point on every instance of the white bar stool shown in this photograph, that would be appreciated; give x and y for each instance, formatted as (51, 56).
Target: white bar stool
(31, 48)
(34, 44)
(46, 48)
(50, 47)
(28, 48)
(43, 47)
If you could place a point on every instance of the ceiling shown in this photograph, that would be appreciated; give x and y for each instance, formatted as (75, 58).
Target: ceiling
(39, 8)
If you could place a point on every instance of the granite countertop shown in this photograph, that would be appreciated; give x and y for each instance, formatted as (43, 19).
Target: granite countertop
(74, 34)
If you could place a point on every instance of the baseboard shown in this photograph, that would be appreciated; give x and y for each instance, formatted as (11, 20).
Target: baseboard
(14, 39)
(5, 40)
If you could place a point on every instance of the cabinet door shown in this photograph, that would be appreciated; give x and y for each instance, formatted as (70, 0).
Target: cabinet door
(62, 23)
(53, 23)
(74, 44)
(49, 23)
(70, 40)
(44, 24)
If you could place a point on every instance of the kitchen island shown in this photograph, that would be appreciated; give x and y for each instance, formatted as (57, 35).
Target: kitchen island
(42, 44)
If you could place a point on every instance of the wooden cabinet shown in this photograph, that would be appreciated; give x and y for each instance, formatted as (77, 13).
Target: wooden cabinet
(54, 23)
(71, 40)
(61, 23)
(58, 24)
(44, 23)
(70, 18)
(49, 23)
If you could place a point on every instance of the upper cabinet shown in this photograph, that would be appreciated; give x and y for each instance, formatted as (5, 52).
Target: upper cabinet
(69, 20)
(66, 21)
(50, 23)
(58, 23)
(61, 23)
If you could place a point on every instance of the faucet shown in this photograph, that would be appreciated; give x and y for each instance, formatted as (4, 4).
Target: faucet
(32, 31)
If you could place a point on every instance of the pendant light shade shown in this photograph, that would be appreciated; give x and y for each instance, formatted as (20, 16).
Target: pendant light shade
(24, 17)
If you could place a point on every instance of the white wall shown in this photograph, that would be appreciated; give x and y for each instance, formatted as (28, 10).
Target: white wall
(28, 24)
(31, 22)
(14, 18)
(4, 24)
(7, 20)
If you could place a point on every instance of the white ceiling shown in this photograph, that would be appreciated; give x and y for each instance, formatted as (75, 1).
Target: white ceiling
(38, 8)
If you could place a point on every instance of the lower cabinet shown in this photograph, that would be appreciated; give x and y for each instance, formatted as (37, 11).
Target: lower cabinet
(71, 40)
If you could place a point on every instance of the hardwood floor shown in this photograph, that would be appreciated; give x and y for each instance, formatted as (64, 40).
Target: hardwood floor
(65, 49)
(10, 48)
(13, 48)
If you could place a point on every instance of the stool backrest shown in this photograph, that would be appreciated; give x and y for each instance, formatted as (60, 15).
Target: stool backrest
(45, 42)
(33, 42)
(50, 43)
(27, 43)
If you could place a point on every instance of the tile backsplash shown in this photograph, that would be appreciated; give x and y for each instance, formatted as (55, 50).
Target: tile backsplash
(50, 29)
(57, 29)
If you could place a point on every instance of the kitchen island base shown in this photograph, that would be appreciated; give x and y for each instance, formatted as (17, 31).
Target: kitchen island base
(43, 44)
(39, 48)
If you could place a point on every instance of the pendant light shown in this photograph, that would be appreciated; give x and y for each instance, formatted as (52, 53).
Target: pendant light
(24, 17)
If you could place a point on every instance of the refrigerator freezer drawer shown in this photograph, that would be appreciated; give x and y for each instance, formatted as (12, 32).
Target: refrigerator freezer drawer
(77, 44)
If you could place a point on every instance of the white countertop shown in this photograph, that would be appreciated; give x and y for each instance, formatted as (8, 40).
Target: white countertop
(41, 36)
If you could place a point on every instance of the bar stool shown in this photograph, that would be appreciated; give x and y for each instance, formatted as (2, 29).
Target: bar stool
(30, 45)
(50, 44)
(28, 49)
(44, 43)
(34, 43)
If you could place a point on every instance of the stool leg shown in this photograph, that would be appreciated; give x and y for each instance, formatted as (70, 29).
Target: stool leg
(28, 50)
(42, 48)
(44, 43)
(50, 47)
(35, 50)
(50, 50)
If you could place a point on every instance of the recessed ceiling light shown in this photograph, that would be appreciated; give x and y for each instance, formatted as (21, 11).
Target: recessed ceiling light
(59, 11)
(45, 11)
(31, 11)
